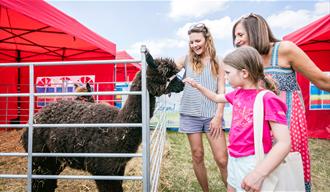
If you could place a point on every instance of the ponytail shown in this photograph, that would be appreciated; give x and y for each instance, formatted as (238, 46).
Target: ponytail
(270, 84)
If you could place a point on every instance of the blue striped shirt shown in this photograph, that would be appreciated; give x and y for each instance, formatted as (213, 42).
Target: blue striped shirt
(194, 103)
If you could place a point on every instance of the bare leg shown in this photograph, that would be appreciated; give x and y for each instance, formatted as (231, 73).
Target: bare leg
(220, 155)
(197, 152)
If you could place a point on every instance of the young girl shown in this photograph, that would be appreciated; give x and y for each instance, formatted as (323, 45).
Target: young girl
(244, 71)
(283, 60)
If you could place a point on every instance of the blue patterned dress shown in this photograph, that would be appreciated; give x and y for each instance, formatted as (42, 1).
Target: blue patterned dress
(291, 94)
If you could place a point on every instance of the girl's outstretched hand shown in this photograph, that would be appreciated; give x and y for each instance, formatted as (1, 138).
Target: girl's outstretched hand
(190, 81)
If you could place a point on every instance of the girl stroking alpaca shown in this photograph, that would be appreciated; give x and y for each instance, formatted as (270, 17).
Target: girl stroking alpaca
(244, 72)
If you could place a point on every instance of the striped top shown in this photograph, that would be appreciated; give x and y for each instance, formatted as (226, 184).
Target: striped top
(194, 103)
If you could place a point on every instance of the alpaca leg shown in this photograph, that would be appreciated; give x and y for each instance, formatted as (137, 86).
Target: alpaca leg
(111, 185)
(45, 166)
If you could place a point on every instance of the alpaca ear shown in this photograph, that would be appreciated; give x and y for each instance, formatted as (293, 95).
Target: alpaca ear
(89, 88)
(150, 60)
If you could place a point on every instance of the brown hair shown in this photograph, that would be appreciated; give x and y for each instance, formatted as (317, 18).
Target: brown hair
(248, 58)
(195, 59)
(258, 31)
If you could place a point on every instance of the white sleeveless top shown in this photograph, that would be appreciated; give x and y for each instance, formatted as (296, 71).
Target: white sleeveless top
(194, 103)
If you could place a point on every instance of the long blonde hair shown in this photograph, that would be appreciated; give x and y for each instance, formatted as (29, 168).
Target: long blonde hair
(195, 59)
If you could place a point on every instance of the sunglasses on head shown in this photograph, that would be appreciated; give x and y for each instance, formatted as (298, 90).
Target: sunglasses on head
(199, 27)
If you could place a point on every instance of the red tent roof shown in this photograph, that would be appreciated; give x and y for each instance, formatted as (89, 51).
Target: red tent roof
(123, 55)
(126, 72)
(36, 31)
(313, 37)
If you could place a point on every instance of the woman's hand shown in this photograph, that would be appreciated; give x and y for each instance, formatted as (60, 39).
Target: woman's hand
(215, 127)
(253, 181)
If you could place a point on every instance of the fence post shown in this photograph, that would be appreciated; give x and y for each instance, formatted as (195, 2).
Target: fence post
(145, 123)
(30, 131)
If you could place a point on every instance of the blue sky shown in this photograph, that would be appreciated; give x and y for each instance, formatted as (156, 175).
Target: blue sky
(163, 25)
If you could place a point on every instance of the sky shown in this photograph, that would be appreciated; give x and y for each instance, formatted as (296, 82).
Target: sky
(162, 25)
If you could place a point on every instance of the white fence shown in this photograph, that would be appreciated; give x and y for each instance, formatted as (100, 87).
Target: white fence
(153, 145)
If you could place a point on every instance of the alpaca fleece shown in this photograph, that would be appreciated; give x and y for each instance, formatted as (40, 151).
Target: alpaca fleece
(96, 140)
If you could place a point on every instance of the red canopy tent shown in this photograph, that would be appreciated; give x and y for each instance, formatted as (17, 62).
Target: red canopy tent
(314, 39)
(125, 74)
(36, 31)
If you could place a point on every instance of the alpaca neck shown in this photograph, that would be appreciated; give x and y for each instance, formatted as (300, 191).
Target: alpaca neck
(132, 113)
(132, 109)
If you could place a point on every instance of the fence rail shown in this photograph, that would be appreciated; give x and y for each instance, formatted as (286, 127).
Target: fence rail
(151, 157)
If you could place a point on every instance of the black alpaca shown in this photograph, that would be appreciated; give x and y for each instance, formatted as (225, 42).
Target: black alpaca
(96, 140)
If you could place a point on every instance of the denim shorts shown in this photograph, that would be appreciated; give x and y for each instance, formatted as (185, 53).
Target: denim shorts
(192, 124)
(238, 168)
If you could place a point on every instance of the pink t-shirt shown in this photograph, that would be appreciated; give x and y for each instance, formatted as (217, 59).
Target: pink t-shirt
(241, 141)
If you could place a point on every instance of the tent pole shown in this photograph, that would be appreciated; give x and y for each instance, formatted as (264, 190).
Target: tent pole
(18, 118)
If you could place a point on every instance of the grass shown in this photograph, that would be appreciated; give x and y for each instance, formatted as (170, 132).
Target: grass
(320, 157)
(176, 173)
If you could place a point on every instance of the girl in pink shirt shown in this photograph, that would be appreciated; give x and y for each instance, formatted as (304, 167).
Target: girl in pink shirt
(244, 71)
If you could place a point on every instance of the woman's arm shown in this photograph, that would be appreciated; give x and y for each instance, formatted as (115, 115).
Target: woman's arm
(301, 63)
(216, 122)
(275, 156)
(218, 98)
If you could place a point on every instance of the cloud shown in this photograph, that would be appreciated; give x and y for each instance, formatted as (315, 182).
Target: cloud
(163, 47)
(289, 19)
(194, 8)
(219, 28)
(322, 7)
(281, 23)
(157, 48)
(293, 20)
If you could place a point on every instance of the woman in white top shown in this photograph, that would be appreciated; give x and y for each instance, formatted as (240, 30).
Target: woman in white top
(199, 115)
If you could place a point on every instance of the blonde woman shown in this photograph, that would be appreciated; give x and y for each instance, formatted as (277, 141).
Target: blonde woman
(199, 115)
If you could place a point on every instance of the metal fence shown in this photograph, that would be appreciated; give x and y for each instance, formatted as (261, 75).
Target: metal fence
(152, 146)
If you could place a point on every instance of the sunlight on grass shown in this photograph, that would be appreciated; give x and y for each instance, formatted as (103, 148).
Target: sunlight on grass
(177, 173)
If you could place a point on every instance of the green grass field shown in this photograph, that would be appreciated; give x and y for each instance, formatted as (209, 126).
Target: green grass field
(177, 173)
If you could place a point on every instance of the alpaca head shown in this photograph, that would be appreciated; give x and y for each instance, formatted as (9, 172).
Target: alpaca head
(161, 76)
(83, 89)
